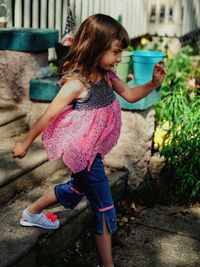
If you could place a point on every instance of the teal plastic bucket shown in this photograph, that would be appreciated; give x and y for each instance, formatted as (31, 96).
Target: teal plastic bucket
(123, 67)
(143, 63)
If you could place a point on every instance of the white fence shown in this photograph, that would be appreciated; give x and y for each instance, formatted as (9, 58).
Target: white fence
(172, 17)
(52, 13)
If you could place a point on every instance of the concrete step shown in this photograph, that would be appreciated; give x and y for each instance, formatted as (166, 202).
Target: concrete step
(22, 246)
(18, 175)
(12, 124)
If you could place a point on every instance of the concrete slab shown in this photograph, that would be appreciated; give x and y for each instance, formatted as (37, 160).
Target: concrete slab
(157, 237)
(147, 246)
(177, 220)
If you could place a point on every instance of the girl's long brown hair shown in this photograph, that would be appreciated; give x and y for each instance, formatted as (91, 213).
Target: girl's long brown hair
(94, 36)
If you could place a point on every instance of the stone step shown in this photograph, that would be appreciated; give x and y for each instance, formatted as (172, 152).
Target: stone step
(12, 124)
(18, 175)
(22, 246)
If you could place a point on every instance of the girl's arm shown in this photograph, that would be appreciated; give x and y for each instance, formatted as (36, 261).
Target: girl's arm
(66, 95)
(136, 93)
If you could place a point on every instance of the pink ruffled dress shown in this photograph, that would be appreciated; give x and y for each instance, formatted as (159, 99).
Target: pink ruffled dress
(90, 126)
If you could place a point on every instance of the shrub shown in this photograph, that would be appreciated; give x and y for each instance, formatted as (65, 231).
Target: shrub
(179, 106)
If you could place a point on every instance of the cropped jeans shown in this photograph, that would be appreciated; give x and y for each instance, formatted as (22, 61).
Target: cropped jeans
(95, 186)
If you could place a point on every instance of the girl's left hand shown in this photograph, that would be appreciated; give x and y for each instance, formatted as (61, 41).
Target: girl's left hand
(159, 73)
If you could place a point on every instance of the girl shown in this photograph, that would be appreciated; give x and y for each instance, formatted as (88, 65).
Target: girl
(83, 123)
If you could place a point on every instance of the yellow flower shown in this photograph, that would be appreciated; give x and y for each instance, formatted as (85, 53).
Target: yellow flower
(160, 134)
(166, 125)
(159, 137)
(144, 41)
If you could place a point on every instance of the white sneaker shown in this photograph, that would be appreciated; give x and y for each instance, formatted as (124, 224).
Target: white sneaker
(47, 221)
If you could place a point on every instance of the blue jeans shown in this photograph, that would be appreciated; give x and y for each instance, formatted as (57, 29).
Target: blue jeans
(95, 186)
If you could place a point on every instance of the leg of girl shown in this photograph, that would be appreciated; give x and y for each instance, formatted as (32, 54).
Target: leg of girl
(95, 185)
(34, 215)
(45, 201)
(104, 247)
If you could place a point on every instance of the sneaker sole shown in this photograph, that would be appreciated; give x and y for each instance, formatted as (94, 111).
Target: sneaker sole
(24, 223)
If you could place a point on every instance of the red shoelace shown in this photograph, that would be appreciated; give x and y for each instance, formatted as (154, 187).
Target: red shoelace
(51, 216)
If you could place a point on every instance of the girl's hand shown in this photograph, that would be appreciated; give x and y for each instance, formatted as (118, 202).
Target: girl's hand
(19, 151)
(158, 74)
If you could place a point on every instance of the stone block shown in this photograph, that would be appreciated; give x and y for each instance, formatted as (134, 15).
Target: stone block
(16, 70)
(133, 150)
(155, 167)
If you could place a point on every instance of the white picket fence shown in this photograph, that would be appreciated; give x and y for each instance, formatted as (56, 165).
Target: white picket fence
(52, 13)
(172, 17)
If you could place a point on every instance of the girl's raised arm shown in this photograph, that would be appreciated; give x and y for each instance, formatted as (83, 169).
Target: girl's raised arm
(70, 91)
(134, 94)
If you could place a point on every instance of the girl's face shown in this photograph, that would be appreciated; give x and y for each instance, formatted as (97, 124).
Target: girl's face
(111, 57)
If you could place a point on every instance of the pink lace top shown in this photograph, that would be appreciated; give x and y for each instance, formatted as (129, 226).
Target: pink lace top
(90, 126)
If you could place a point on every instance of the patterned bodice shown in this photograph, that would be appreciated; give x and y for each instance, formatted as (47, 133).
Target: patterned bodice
(98, 96)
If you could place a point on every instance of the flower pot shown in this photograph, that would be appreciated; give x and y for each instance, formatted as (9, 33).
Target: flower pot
(123, 67)
(143, 63)
(3, 24)
(43, 90)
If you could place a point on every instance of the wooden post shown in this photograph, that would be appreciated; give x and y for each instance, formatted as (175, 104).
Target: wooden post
(167, 6)
(58, 12)
(157, 22)
(18, 13)
(51, 14)
(197, 6)
(90, 7)
(35, 15)
(78, 12)
(84, 10)
(177, 16)
(64, 15)
(185, 17)
(43, 14)
(27, 13)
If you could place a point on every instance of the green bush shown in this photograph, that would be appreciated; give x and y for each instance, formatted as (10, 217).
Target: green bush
(179, 106)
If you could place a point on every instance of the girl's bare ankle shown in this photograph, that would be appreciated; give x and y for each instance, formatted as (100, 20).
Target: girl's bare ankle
(33, 210)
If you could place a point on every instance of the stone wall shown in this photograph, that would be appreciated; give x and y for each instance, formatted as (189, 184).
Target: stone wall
(16, 70)
(133, 150)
